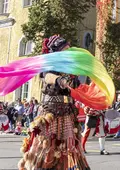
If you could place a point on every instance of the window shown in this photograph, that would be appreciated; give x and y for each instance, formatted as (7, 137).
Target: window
(3, 6)
(27, 3)
(87, 40)
(25, 91)
(25, 48)
(114, 9)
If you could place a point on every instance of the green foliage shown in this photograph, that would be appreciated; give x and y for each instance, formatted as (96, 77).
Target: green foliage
(49, 17)
(111, 51)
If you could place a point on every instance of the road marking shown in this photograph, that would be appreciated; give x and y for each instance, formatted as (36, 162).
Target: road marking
(96, 151)
(116, 144)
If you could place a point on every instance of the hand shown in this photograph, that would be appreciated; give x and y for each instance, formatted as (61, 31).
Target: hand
(86, 110)
(63, 83)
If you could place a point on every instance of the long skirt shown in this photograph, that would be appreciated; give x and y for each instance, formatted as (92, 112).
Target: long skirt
(55, 141)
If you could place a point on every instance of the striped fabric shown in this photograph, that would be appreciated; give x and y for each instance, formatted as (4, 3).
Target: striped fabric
(52, 39)
(89, 111)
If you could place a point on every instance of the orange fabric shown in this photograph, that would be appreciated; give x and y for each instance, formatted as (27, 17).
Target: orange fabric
(90, 95)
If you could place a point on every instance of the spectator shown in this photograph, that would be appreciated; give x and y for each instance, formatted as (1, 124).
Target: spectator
(18, 128)
(30, 111)
(117, 104)
(117, 107)
(35, 109)
(40, 109)
(26, 115)
(24, 101)
(12, 115)
(20, 108)
(32, 98)
(5, 105)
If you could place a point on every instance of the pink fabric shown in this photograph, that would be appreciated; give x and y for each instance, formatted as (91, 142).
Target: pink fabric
(17, 73)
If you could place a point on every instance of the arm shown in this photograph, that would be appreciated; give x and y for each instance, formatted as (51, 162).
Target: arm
(51, 78)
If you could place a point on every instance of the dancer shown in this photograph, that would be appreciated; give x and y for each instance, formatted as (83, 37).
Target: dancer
(54, 142)
(55, 129)
(95, 125)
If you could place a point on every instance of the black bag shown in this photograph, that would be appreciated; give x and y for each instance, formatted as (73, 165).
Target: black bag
(92, 121)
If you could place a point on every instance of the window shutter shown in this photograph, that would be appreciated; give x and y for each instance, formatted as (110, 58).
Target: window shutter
(28, 49)
(1, 6)
(26, 3)
(25, 90)
(22, 48)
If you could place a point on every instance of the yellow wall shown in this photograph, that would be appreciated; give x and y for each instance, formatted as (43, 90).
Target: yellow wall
(36, 87)
(4, 34)
(20, 15)
(88, 25)
(118, 11)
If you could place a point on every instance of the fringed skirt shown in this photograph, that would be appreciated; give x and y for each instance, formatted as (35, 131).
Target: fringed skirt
(55, 141)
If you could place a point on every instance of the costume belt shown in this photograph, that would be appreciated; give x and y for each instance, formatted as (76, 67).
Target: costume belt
(57, 99)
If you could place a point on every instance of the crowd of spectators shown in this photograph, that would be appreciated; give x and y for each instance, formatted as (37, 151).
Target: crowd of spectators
(20, 114)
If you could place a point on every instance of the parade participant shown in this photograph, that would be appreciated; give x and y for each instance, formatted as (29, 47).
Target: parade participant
(55, 134)
(56, 129)
(4, 121)
(95, 125)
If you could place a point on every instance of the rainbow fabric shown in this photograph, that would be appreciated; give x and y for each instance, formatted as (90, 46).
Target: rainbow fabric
(74, 61)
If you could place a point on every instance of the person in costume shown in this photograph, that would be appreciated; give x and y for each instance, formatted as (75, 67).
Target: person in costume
(95, 125)
(4, 121)
(55, 135)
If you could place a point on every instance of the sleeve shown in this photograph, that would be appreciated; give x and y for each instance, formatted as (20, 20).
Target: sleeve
(51, 78)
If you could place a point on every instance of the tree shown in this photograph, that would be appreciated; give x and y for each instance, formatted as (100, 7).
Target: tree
(108, 40)
(49, 17)
(111, 51)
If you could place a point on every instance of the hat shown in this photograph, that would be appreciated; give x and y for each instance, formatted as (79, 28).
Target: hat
(53, 44)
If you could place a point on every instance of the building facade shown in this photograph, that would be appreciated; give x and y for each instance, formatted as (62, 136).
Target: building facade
(14, 13)
(87, 31)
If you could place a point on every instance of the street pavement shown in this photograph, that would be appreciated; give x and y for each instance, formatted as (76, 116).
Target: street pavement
(10, 155)
(104, 162)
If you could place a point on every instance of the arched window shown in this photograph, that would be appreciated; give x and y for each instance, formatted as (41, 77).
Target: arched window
(25, 48)
(87, 40)
(23, 91)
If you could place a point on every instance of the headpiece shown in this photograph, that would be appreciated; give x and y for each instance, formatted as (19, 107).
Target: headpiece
(53, 44)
